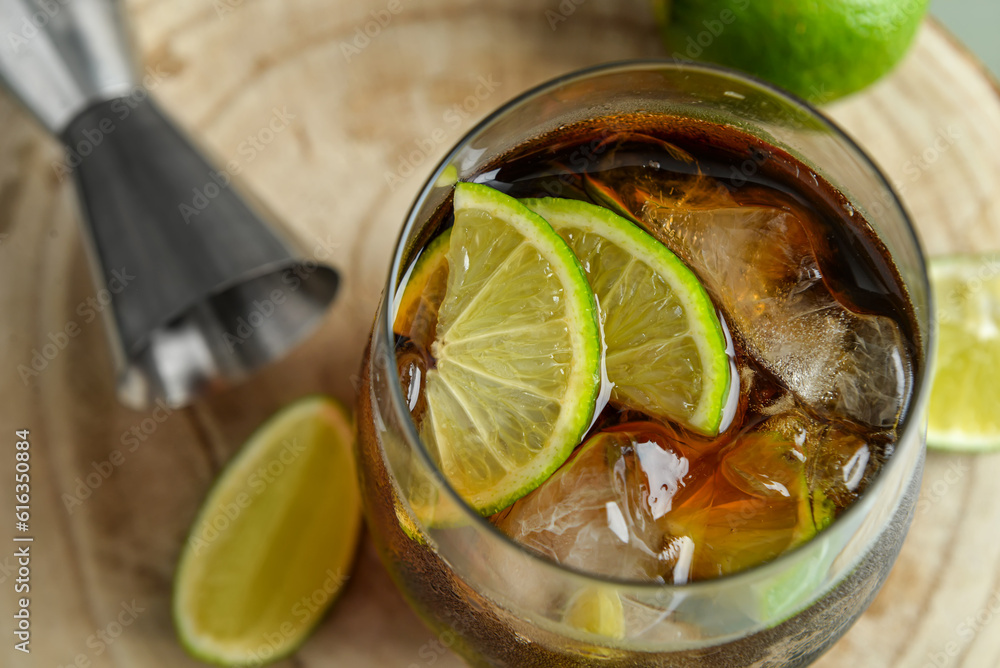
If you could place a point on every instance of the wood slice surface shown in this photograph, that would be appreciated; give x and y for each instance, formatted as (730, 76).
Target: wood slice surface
(371, 117)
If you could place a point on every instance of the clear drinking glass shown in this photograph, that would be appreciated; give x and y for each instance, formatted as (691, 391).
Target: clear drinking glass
(497, 604)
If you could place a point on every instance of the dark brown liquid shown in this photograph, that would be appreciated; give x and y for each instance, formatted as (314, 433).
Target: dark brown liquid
(855, 268)
(812, 252)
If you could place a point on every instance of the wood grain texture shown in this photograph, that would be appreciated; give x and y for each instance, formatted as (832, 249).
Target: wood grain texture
(222, 67)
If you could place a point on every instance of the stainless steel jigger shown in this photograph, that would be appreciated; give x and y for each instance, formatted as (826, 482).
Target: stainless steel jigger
(217, 292)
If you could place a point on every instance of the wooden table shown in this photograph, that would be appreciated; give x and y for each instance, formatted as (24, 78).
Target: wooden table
(361, 105)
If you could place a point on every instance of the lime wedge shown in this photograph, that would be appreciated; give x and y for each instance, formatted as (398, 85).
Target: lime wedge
(273, 543)
(666, 353)
(517, 351)
(965, 393)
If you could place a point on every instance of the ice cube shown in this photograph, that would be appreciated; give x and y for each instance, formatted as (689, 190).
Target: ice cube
(602, 511)
(760, 265)
(636, 503)
(640, 167)
(829, 461)
(737, 534)
(840, 460)
(776, 485)
(764, 464)
(752, 509)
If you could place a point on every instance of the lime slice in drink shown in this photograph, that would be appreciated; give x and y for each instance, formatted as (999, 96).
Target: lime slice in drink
(666, 353)
(965, 393)
(517, 352)
(274, 541)
(425, 285)
(598, 611)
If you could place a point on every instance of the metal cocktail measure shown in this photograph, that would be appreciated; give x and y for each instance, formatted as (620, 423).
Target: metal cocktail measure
(202, 272)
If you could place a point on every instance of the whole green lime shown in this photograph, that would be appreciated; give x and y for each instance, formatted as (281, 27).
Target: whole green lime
(818, 49)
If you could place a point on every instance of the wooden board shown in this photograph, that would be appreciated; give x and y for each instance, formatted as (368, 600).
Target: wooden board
(365, 110)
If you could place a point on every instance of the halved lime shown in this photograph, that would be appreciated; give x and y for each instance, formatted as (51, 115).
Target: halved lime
(818, 50)
(274, 541)
(517, 352)
(666, 353)
(965, 393)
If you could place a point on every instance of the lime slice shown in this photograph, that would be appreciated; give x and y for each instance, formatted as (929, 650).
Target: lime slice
(965, 394)
(448, 177)
(666, 353)
(428, 505)
(425, 286)
(598, 611)
(273, 543)
(779, 597)
(517, 351)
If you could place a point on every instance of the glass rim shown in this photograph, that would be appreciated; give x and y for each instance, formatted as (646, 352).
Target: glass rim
(907, 425)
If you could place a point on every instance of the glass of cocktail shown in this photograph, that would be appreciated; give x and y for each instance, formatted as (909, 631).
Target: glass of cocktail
(646, 384)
